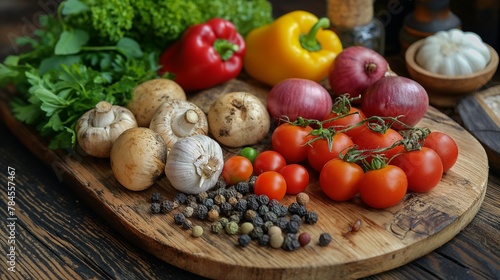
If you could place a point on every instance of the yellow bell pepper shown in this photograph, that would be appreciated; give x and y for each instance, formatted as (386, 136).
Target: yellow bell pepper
(295, 45)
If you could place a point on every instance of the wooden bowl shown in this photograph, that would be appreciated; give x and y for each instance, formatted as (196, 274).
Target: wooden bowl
(443, 90)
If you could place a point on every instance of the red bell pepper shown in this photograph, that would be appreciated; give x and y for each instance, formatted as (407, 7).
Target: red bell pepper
(206, 55)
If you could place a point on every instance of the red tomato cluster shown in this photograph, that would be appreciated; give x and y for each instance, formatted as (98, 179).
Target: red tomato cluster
(351, 159)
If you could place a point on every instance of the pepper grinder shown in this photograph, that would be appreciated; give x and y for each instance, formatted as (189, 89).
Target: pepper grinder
(427, 18)
(354, 23)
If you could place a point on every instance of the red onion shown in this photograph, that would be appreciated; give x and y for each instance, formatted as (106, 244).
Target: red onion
(296, 97)
(393, 96)
(354, 69)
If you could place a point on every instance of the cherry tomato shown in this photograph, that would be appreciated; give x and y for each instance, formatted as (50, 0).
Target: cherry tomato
(423, 168)
(270, 183)
(296, 177)
(250, 153)
(268, 161)
(319, 153)
(384, 187)
(444, 145)
(289, 140)
(352, 119)
(368, 139)
(237, 169)
(339, 179)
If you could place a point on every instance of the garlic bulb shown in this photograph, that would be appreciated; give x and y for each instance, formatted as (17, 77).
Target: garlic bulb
(194, 164)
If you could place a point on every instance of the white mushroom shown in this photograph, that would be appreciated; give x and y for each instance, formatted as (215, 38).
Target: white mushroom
(138, 158)
(177, 119)
(149, 95)
(98, 128)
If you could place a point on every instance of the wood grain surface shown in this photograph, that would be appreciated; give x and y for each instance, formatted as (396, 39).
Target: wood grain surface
(482, 122)
(389, 238)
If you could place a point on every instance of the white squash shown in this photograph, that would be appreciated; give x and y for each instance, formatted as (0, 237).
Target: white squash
(453, 53)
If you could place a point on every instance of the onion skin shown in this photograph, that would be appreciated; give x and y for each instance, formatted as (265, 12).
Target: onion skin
(394, 96)
(356, 68)
(295, 97)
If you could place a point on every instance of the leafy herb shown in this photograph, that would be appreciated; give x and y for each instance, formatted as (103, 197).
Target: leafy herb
(64, 75)
(100, 50)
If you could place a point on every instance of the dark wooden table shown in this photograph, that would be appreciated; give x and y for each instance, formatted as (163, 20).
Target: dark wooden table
(58, 237)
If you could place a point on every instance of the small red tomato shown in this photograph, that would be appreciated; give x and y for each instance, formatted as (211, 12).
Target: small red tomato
(268, 161)
(444, 145)
(339, 179)
(319, 152)
(351, 121)
(383, 188)
(237, 169)
(290, 141)
(270, 183)
(423, 168)
(296, 177)
(368, 139)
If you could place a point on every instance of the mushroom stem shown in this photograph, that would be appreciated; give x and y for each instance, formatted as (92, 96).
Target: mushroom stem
(102, 115)
(184, 123)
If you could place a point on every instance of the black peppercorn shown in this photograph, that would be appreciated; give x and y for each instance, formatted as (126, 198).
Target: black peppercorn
(221, 184)
(155, 207)
(263, 209)
(325, 239)
(263, 199)
(241, 205)
(167, 206)
(208, 202)
(293, 227)
(252, 203)
(276, 209)
(242, 187)
(251, 182)
(187, 224)
(264, 240)
(301, 210)
(244, 240)
(156, 197)
(311, 218)
(296, 218)
(273, 202)
(290, 242)
(258, 221)
(230, 192)
(256, 233)
(226, 208)
(215, 207)
(293, 208)
(270, 216)
(181, 198)
(201, 211)
(282, 223)
(179, 218)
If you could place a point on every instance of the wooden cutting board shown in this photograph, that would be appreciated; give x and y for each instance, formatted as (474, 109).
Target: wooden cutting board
(387, 239)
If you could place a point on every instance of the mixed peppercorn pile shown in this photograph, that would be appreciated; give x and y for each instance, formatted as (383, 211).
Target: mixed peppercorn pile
(236, 210)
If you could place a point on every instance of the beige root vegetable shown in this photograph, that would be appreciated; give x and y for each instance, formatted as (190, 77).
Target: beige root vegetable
(138, 158)
(177, 119)
(98, 128)
(149, 95)
(238, 119)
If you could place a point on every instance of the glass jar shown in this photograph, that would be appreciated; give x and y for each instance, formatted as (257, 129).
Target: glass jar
(354, 23)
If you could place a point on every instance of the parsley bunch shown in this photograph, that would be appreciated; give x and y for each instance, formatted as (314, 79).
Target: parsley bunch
(68, 70)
